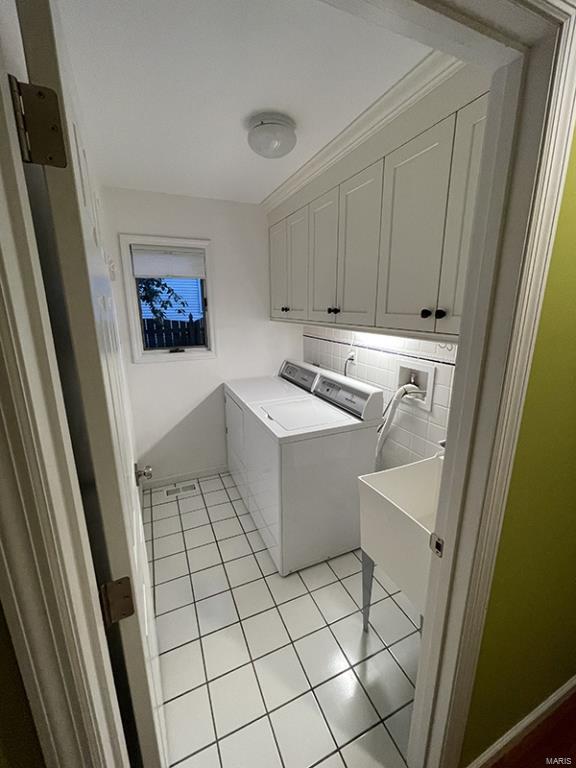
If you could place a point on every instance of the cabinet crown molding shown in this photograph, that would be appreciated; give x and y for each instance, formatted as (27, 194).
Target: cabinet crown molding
(431, 72)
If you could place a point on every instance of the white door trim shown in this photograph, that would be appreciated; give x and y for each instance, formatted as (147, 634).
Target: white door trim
(47, 584)
(62, 583)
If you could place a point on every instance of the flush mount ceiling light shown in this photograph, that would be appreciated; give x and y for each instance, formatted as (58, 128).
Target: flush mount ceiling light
(271, 134)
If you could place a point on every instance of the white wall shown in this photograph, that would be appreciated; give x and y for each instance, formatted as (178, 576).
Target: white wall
(416, 432)
(178, 407)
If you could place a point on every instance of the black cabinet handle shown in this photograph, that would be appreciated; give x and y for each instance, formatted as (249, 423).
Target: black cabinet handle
(284, 309)
(424, 313)
(330, 310)
(336, 310)
(440, 313)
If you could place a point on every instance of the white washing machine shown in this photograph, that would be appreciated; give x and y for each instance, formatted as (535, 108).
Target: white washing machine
(296, 458)
(291, 381)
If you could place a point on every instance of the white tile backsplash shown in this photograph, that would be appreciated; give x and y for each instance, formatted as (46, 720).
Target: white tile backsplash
(416, 432)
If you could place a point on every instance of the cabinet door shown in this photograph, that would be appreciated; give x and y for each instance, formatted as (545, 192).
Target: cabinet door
(278, 269)
(416, 178)
(358, 240)
(323, 256)
(297, 245)
(466, 160)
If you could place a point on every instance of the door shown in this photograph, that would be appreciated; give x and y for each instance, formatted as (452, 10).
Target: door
(358, 241)
(466, 159)
(92, 373)
(278, 270)
(297, 262)
(415, 196)
(323, 256)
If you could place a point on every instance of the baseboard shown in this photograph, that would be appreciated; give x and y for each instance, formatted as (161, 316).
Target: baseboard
(523, 728)
(158, 482)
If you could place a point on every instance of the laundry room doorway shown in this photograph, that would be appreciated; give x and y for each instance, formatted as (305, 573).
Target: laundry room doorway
(511, 248)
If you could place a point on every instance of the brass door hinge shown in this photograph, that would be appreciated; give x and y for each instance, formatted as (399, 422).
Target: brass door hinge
(116, 600)
(38, 123)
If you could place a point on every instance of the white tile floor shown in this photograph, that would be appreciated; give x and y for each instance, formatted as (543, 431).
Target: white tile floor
(261, 671)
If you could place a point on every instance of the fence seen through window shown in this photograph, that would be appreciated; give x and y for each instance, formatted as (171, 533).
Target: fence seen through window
(171, 291)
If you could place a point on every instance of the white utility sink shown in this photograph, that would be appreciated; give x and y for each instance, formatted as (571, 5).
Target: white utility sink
(397, 515)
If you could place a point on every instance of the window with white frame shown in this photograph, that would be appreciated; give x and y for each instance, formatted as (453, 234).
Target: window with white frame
(167, 289)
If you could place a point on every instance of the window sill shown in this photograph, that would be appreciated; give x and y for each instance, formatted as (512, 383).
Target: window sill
(173, 357)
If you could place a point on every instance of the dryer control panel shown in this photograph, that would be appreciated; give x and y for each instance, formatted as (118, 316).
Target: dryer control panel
(361, 400)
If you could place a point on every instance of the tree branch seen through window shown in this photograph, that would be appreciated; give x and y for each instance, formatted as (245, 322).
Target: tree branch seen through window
(159, 297)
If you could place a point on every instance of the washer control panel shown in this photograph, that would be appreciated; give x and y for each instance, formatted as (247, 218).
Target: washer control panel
(302, 375)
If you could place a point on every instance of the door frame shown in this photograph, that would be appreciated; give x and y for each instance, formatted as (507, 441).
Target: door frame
(53, 614)
(47, 584)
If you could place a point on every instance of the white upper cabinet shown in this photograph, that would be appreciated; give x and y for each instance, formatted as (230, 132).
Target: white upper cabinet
(322, 273)
(389, 247)
(416, 181)
(278, 269)
(358, 240)
(289, 267)
(297, 263)
(466, 160)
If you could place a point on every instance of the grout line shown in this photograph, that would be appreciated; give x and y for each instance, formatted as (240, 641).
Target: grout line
(337, 751)
(280, 755)
(201, 644)
(207, 568)
(285, 602)
(153, 575)
(353, 667)
(378, 635)
(363, 660)
(276, 603)
(223, 538)
(276, 606)
(311, 689)
(347, 659)
(290, 642)
(410, 619)
(267, 714)
(389, 732)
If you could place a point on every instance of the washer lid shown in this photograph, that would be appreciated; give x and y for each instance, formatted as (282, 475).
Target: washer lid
(304, 414)
(255, 390)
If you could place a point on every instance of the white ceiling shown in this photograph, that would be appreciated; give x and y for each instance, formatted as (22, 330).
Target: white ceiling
(165, 86)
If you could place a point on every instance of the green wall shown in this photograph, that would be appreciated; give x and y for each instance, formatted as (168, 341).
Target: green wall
(19, 746)
(529, 644)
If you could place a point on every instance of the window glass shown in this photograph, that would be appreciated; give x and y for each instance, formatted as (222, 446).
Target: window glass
(171, 291)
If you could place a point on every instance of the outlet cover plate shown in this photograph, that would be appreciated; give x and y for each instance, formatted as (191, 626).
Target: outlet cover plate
(424, 374)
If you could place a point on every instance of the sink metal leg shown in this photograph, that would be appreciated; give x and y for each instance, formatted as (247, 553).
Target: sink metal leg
(367, 574)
